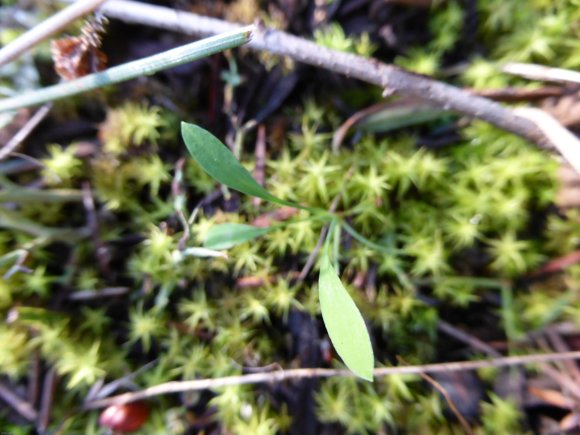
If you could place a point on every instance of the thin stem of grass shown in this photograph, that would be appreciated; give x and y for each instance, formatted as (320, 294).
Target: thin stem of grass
(142, 67)
(362, 239)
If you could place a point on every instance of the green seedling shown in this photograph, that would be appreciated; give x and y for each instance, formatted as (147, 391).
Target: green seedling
(343, 320)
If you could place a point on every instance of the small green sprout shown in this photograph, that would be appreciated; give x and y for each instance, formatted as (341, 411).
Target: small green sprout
(145, 326)
(342, 318)
(83, 364)
(501, 416)
(61, 166)
(333, 36)
(14, 356)
(131, 125)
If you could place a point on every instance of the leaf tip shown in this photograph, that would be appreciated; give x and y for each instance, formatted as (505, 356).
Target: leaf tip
(367, 375)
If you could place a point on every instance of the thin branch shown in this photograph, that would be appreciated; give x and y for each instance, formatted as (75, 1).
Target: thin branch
(101, 251)
(368, 70)
(47, 28)
(284, 375)
(468, 339)
(25, 131)
(47, 400)
(541, 72)
(514, 95)
(448, 399)
(563, 139)
(466, 427)
(560, 345)
(24, 408)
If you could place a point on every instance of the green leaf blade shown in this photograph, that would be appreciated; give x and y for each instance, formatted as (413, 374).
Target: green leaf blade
(218, 161)
(344, 322)
(226, 236)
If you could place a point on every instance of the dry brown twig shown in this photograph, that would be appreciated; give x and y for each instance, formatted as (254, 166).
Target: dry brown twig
(24, 408)
(284, 375)
(468, 339)
(371, 71)
(12, 145)
(436, 385)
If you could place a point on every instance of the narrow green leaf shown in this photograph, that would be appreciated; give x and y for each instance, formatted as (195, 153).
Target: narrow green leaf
(225, 236)
(344, 322)
(196, 251)
(393, 117)
(218, 161)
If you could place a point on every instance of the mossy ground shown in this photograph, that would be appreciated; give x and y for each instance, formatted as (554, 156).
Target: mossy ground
(462, 226)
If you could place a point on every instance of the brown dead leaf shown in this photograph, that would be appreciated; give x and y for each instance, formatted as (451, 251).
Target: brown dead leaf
(558, 264)
(570, 421)
(552, 397)
(253, 281)
(280, 214)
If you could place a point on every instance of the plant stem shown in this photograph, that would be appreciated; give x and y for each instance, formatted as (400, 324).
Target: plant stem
(362, 239)
(14, 221)
(146, 66)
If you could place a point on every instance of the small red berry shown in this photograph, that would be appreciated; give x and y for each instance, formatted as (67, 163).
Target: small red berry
(125, 418)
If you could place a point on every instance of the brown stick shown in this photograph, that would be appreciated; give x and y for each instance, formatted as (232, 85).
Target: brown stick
(25, 131)
(472, 341)
(283, 375)
(450, 402)
(24, 408)
(368, 70)
(47, 400)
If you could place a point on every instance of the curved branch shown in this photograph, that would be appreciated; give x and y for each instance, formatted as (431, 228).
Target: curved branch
(368, 70)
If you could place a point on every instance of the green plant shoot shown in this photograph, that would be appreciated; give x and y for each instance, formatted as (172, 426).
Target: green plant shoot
(218, 161)
(227, 236)
(343, 320)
